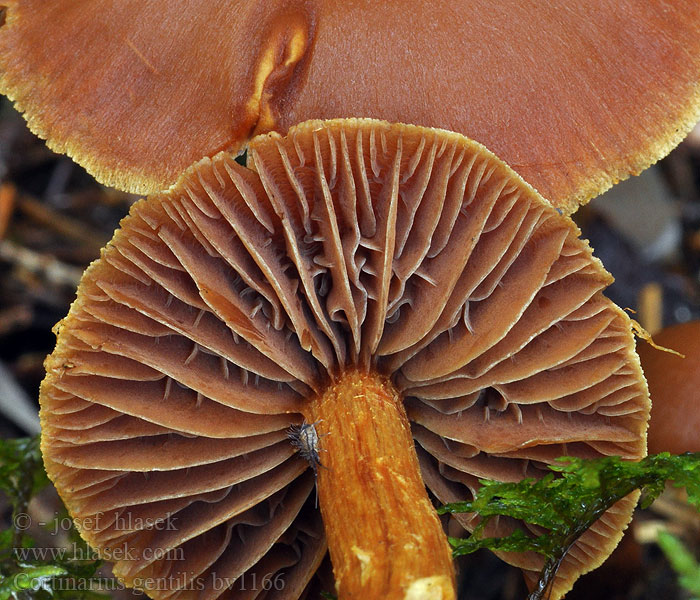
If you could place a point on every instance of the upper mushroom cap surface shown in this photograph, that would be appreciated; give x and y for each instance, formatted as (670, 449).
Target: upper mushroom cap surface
(573, 95)
(223, 306)
(674, 387)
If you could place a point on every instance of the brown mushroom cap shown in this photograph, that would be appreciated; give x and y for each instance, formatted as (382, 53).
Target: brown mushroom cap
(674, 387)
(573, 95)
(222, 307)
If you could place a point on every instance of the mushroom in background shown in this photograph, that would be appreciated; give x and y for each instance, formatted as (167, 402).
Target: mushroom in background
(573, 95)
(674, 388)
(387, 283)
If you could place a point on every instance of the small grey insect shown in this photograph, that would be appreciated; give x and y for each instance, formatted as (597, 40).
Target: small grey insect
(305, 438)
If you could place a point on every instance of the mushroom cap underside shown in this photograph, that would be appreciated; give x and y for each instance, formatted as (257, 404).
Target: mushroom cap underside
(573, 95)
(221, 307)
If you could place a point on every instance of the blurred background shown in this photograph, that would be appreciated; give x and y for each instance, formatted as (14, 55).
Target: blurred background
(54, 218)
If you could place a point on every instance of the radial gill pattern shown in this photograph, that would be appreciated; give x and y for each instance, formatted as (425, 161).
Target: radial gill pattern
(221, 307)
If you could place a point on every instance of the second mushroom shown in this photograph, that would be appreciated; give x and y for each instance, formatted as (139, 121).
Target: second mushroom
(397, 291)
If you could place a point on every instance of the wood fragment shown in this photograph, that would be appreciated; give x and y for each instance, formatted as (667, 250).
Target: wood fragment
(651, 307)
(40, 264)
(8, 194)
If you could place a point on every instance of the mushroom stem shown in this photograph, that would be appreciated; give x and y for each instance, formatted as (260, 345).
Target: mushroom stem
(384, 537)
